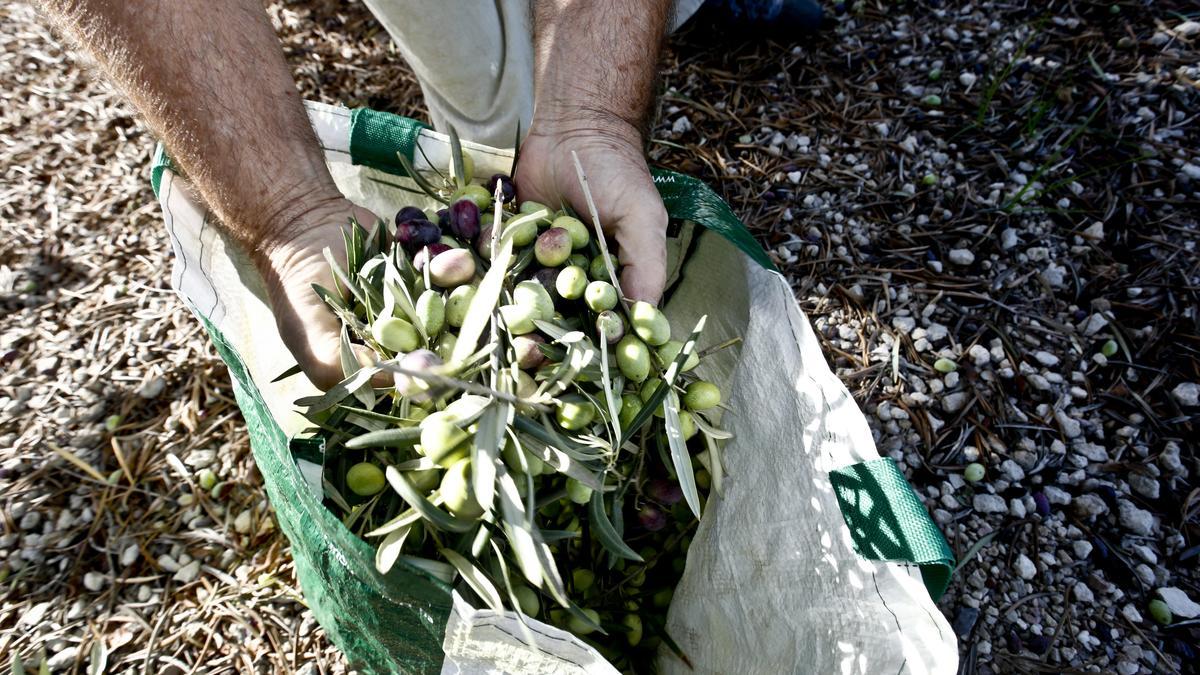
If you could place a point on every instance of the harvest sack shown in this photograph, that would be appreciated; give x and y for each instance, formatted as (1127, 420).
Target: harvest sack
(818, 557)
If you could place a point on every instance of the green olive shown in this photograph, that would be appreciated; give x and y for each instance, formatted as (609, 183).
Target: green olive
(583, 579)
(571, 282)
(1160, 612)
(575, 228)
(701, 395)
(634, 623)
(456, 307)
(444, 347)
(663, 598)
(974, 472)
(687, 425)
(598, 270)
(518, 318)
(534, 295)
(600, 296)
(578, 627)
(649, 323)
(395, 334)
(633, 358)
(578, 260)
(523, 233)
(431, 310)
(578, 492)
(513, 456)
(552, 247)
(668, 351)
(526, 386)
(610, 326)
(703, 479)
(631, 405)
(476, 193)
(457, 492)
(444, 443)
(528, 600)
(424, 479)
(575, 414)
(365, 479)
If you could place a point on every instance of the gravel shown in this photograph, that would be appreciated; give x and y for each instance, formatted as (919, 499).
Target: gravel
(1061, 215)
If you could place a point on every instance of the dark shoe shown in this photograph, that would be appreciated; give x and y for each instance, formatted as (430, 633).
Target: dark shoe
(777, 17)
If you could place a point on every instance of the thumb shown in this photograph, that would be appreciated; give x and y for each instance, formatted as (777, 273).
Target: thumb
(642, 236)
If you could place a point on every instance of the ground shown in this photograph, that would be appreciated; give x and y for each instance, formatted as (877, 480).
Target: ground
(988, 210)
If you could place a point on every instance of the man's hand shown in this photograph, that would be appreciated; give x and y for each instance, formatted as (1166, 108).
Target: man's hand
(291, 262)
(594, 83)
(626, 200)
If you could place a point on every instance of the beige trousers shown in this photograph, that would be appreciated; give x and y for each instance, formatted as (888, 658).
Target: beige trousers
(474, 60)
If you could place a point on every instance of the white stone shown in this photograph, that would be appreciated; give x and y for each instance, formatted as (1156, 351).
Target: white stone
(954, 402)
(1056, 495)
(985, 503)
(1144, 485)
(1045, 358)
(1146, 553)
(1130, 612)
(1138, 521)
(1127, 668)
(188, 573)
(1089, 505)
(1145, 573)
(167, 563)
(961, 256)
(1016, 508)
(1069, 425)
(1095, 231)
(1083, 593)
(1082, 548)
(904, 324)
(152, 388)
(1092, 451)
(1009, 239)
(63, 658)
(966, 78)
(980, 355)
(129, 555)
(199, 459)
(1186, 394)
(1025, 567)
(243, 522)
(94, 581)
(1179, 603)
(1012, 471)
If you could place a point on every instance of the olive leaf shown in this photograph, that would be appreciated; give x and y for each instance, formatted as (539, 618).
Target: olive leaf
(340, 276)
(489, 435)
(519, 528)
(475, 578)
(435, 568)
(605, 532)
(457, 170)
(601, 240)
(564, 464)
(610, 396)
(377, 416)
(339, 391)
(294, 370)
(680, 458)
(403, 520)
(436, 517)
(386, 438)
(350, 365)
(390, 548)
(422, 182)
(479, 312)
(551, 536)
(715, 469)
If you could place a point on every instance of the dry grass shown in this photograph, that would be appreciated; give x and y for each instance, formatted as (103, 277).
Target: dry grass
(110, 388)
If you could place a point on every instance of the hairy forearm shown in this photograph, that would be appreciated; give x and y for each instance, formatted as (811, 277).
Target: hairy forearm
(210, 80)
(596, 62)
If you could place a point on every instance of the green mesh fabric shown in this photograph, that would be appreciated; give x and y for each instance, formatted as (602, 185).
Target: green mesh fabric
(383, 623)
(688, 198)
(376, 137)
(888, 521)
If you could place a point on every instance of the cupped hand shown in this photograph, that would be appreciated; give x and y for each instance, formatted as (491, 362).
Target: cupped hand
(627, 202)
(291, 261)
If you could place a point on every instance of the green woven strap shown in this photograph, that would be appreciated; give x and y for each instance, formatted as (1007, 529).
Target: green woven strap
(376, 137)
(888, 521)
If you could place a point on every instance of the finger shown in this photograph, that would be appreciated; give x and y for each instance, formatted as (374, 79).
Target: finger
(642, 236)
(311, 333)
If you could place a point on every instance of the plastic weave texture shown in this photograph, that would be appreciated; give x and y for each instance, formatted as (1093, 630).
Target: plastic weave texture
(394, 623)
(888, 521)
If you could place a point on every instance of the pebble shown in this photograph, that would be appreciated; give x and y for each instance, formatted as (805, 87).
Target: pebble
(1016, 508)
(1082, 549)
(1009, 239)
(1130, 612)
(1137, 521)
(961, 256)
(1144, 485)
(94, 581)
(1012, 471)
(1083, 593)
(63, 659)
(1056, 495)
(129, 555)
(980, 355)
(1025, 567)
(985, 503)
(966, 78)
(1045, 358)
(243, 522)
(1127, 668)
(1179, 603)
(1088, 506)
(153, 388)
(167, 563)
(964, 621)
(1069, 425)
(1186, 394)
(955, 401)
(198, 459)
(188, 573)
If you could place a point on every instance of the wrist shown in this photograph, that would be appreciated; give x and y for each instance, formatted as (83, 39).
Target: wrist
(563, 120)
(287, 215)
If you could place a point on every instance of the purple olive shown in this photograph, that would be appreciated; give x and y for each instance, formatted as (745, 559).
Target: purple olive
(452, 268)
(1043, 504)
(651, 518)
(443, 218)
(546, 278)
(464, 220)
(414, 234)
(409, 213)
(664, 491)
(427, 253)
(552, 247)
(508, 191)
(419, 360)
(528, 354)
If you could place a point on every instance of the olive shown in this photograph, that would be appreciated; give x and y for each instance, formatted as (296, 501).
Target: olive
(395, 334)
(574, 414)
(365, 479)
(633, 358)
(600, 296)
(456, 306)
(443, 443)
(575, 228)
(552, 247)
(649, 323)
(458, 494)
(701, 395)
(571, 282)
(431, 310)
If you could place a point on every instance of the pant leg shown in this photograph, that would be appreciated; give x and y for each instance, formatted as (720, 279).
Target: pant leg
(474, 60)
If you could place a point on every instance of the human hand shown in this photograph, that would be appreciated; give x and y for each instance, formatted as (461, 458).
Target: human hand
(291, 260)
(627, 202)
